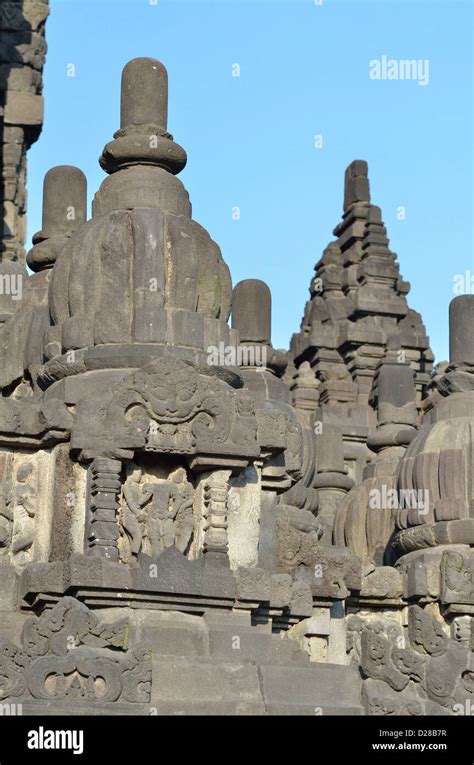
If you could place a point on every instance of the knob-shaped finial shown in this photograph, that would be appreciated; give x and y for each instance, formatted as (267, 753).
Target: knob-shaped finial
(356, 183)
(461, 331)
(64, 201)
(64, 210)
(144, 99)
(143, 138)
(252, 311)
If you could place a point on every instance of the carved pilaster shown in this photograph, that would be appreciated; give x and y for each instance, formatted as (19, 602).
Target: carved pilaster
(104, 505)
(216, 491)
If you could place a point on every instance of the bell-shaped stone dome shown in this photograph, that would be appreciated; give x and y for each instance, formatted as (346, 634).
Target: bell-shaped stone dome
(365, 520)
(436, 473)
(439, 461)
(141, 271)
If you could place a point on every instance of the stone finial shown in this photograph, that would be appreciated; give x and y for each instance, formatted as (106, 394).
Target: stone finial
(461, 331)
(143, 138)
(331, 480)
(330, 451)
(356, 183)
(305, 388)
(394, 394)
(395, 379)
(252, 311)
(144, 99)
(396, 386)
(64, 210)
(64, 201)
(393, 343)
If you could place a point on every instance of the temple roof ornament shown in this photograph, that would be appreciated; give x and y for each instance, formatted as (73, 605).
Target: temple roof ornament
(358, 298)
(143, 137)
(141, 273)
(439, 460)
(64, 210)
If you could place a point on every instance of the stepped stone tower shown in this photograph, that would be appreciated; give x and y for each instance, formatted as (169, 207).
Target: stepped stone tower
(192, 521)
(357, 302)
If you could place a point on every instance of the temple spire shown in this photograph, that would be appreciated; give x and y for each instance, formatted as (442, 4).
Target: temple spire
(143, 138)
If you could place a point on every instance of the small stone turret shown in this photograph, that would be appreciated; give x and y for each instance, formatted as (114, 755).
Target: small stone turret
(461, 336)
(358, 300)
(365, 520)
(141, 274)
(438, 462)
(143, 140)
(261, 365)
(64, 211)
(331, 480)
(252, 311)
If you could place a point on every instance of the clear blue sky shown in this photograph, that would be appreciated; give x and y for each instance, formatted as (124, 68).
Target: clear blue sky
(250, 140)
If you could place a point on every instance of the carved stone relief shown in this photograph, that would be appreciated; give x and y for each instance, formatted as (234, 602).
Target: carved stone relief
(66, 655)
(155, 512)
(430, 673)
(24, 508)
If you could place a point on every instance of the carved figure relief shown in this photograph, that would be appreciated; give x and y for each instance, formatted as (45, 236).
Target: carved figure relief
(24, 512)
(298, 542)
(457, 576)
(156, 513)
(6, 518)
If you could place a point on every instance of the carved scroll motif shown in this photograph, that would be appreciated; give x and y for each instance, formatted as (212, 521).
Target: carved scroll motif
(66, 655)
(167, 407)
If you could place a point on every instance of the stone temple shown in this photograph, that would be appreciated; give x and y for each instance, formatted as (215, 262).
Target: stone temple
(192, 521)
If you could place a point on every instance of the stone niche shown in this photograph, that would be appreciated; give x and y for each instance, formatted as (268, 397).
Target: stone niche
(42, 501)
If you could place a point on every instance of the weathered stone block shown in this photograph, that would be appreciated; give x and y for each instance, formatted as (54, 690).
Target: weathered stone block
(323, 689)
(8, 589)
(183, 687)
(24, 109)
(28, 15)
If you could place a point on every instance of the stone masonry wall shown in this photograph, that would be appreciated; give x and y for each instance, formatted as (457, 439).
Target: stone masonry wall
(22, 56)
